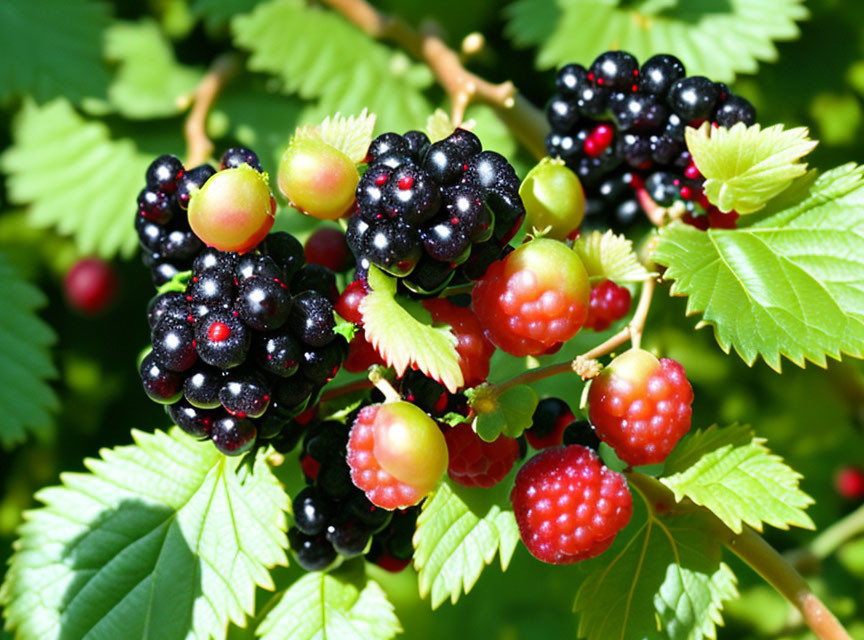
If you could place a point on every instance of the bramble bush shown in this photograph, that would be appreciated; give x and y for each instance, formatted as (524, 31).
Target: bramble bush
(352, 310)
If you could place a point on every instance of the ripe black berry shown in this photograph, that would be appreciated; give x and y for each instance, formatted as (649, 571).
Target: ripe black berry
(384, 144)
(582, 433)
(334, 478)
(465, 140)
(174, 344)
(571, 78)
(155, 206)
(373, 518)
(417, 141)
(160, 384)
(311, 319)
(236, 156)
(320, 364)
(693, 98)
(294, 390)
(262, 303)
(211, 288)
(314, 277)
(445, 242)
(490, 170)
(562, 114)
(592, 100)
(201, 387)
(250, 265)
(211, 259)
(430, 276)
(286, 251)
(171, 304)
(221, 339)
(245, 393)
(279, 354)
(349, 538)
(369, 194)
(311, 511)
(313, 553)
(615, 70)
(662, 188)
(394, 247)
(191, 181)
(410, 195)
(444, 162)
(732, 110)
(232, 435)
(659, 73)
(180, 246)
(150, 234)
(194, 421)
(163, 173)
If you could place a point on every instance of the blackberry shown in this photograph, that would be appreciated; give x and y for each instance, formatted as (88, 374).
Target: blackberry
(314, 277)
(693, 98)
(174, 344)
(311, 511)
(562, 114)
(180, 246)
(411, 195)
(163, 272)
(221, 339)
(263, 304)
(444, 162)
(286, 251)
(201, 386)
(384, 144)
(313, 553)
(171, 304)
(212, 289)
(211, 259)
(733, 110)
(194, 421)
(232, 435)
(349, 538)
(395, 248)
(160, 383)
(369, 194)
(490, 170)
(615, 70)
(571, 78)
(236, 156)
(592, 100)
(150, 233)
(311, 319)
(445, 242)
(320, 364)
(155, 206)
(163, 173)
(418, 142)
(253, 265)
(659, 73)
(582, 433)
(279, 354)
(245, 393)
(191, 181)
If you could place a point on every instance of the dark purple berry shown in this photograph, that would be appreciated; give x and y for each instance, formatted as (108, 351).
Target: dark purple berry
(334, 478)
(311, 511)
(250, 264)
(212, 289)
(465, 140)
(429, 276)
(201, 387)
(509, 213)
(170, 304)
(311, 319)
(355, 233)
(659, 73)
(562, 114)
(221, 339)
(194, 421)
(232, 435)
(626, 215)
(372, 517)
(467, 210)
(313, 553)
(349, 538)
(417, 141)
(444, 162)
(445, 242)
(392, 246)
(638, 112)
(592, 100)
(370, 191)
(163, 272)
(263, 304)
(490, 170)
(155, 206)
(286, 251)
(191, 181)
(245, 393)
(314, 277)
(174, 344)
(211, 259)
(236, 156)
(582, 433)
(150, 234)
(180, 246)
(662, 188)
(571, 78)
(321, 364)
(384, 144)
(615, 70)
(160, 384)
(732, 110)
(163, 173)
(693, 98)
(279, 354)
(294, 390)
(410, 195)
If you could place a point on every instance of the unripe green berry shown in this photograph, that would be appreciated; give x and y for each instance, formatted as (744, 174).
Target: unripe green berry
(317, 179)
(553, 198)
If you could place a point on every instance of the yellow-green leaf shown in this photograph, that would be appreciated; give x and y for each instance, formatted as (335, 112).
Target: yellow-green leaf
(610, 256)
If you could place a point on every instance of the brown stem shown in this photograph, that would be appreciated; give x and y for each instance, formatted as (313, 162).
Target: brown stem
(463, 87)
(199, 147)
(752, 549)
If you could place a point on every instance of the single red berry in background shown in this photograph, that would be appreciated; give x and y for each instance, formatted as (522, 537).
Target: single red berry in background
(361, 354)
(396, 453)
(473, 462)
(608, 303)
(348, 304)
(473, 348)
(551, 417)
(91, 286)
(849, 482)
(640, 406)
(327, 247)
(535, 297)
(569, 506)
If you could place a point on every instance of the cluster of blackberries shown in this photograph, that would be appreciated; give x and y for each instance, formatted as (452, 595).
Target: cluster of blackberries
(248, 343)
(424, 209)
(168, 245)
(620, 128)
(333, 517)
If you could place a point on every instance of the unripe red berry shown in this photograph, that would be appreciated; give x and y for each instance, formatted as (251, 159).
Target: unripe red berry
(317, 179)
(91, 286)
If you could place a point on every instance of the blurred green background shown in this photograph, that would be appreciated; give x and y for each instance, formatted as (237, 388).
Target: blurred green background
(90, 91)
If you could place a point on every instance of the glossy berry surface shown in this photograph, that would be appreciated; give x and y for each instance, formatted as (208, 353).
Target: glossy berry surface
(191, 181)
(263, 304)
(327, 247)
(534, 298)
(163, 173)
(194, 421)
(201, 386)
(171, 303)
(311, 319)
(551, 417)
(313, 553)
(233, 435)
(160, 383)
(640, 406)
(608, 303)
(234, 210)
(569, 506)
(236, 156)
(174, 344)
(396, 454)
(474, 462)
(91, 286)
(311, 511)
(245, 393)
(473, 347)
(222, 340)
(317, 178)
(279, 354)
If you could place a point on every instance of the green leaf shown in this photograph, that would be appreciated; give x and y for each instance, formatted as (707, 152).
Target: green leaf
(401, 330)
(179, 282)
(351, 135)
(791, 284)
(60, 165)
(163, 539)
(319, 55)
(439, 125)
(149, 81)
(732, 473)
(711, 40)
(660, 580)
(218, 12)
(610, 256)
(331, 606)
(744, 167)
(510, 412)
(26, 399)
(52, 48)
(459, 532)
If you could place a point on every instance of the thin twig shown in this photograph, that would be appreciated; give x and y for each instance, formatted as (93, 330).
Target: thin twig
(199, 147)
(348, 387)
(463, 87)
(753, 550)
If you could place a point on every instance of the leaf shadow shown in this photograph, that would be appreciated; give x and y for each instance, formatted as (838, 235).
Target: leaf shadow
(135, 576)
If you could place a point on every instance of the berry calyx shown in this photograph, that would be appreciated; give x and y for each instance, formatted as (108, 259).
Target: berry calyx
(234, 210)
(534, 298)
(554, 199)
(91, 286)
(396, 454)
(317, 179)
(640, 406)
(568, 505)
(473, 462)
(608, 303)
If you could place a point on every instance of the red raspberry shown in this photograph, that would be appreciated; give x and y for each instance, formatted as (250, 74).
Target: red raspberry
(849, 482)
(640, 406)
(327, 247)
(91, 286)
(609, 303)
(551, 417)
(473, 348)
(361, 354)
(535, 297)
(475, 462)
(397, 454)
(348, 304)
(569, 506)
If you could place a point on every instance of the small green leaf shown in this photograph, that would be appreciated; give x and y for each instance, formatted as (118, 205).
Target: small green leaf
(179, 282)
(790, 285)
(459, 532)
(58, 164)
(732, 473)
(218, 12)
(662, 579)
(26, 399)
(610, 256)
(52, 48)
(401, 331)
(452, 419)
(344, 328)
(350, 135)
(439, 125)
(509, 412)
(149, 81)
(162, 539)
(715, 40)
(331, 606)
(744, 167)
